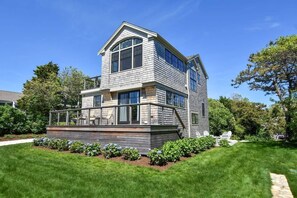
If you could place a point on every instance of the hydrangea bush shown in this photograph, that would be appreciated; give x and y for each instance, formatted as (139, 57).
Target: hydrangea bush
(76, 147)
(171, 151)
(157, 157)
(111, 150)
(93, 149)
(130, 153)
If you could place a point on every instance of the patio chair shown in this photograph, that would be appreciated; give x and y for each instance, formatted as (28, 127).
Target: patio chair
(226, 135)
(108, 116)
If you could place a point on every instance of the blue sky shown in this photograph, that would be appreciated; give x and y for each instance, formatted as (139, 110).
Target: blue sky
(70, 33)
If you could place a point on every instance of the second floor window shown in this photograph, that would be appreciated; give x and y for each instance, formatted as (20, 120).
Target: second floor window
(193, 80)
(126, 55)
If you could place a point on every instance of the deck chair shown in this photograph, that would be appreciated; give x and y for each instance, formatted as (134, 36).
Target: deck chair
(108, 116)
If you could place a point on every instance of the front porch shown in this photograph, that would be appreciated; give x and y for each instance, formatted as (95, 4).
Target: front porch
(146, 126)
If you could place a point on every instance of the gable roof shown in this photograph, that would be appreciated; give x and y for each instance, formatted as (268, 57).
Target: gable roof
(150, 33)
(9, 96)
(200, 63)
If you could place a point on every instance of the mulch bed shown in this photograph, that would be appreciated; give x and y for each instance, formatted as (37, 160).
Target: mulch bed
(19, 137)
(143, 161)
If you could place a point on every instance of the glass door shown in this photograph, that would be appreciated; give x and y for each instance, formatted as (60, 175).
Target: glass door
(132, 97)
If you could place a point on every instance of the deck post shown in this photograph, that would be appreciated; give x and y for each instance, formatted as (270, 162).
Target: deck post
(162, 116)
(149, 114)
(88, 119)
(173, 116)
(50, 119)
(130, 114)
(77, 119)
(115, 115)
(58, 123)
(67, 118)
(100, 116)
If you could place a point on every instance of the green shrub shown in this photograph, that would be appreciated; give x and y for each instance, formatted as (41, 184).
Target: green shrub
(185, 146)
(53, 143)
(171, 151)
(111, 150)
(254, 138)
(62, 145)
(93, 149)
(224, 143)
(38, 142)
(130, 153)
(12, 121)
(157, 157)
(76, 147)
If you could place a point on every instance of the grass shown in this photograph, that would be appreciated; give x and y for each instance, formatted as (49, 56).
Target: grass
(239, 171)
(21, 136)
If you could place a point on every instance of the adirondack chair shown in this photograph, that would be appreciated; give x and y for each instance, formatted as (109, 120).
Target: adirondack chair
(226, 135)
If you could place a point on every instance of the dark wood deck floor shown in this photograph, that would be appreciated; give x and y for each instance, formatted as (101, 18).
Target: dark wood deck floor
(143, 137)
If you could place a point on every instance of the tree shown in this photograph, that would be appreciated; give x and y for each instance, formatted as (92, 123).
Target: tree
(220, 118)
(72, 82)
(41, 93)
(274, 71)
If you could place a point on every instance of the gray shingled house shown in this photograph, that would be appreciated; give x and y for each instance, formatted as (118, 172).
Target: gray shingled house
(148, 93)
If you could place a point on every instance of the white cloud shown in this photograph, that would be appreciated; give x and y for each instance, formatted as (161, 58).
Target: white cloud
(267, 23)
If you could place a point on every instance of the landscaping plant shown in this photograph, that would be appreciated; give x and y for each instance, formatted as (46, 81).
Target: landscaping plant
(224, 143)
(93, 149)
(63, 145)
(157, 157)
(171, 151)
(130, 153)
(76, 147)
(111, 150)
(185, 147)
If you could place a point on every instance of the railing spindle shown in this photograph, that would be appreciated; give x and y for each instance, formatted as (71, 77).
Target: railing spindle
(130, 114)
(67, 118)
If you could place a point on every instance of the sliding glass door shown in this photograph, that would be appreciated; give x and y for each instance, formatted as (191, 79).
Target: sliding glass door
(132, 97)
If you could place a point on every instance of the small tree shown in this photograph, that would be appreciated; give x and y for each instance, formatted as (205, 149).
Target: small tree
(220, 118)
(274, 71)
(72, 81)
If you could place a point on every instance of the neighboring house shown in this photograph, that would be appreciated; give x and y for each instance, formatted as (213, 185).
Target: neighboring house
(9, 98)
(138, 65)
(148, 93)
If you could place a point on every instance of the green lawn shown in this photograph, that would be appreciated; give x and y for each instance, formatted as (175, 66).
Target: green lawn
(239, 171)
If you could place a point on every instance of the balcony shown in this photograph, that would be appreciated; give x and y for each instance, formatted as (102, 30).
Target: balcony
(92, 83)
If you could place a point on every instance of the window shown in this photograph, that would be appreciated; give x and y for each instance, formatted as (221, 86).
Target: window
(168, 56)
(115, 62)
(194, 118)
(193, 80)
(173, 60)
(97, 101)
(203, 109)
(138, 56)
(175, 99)
(121, 57)
(126, 59)
(160, 49)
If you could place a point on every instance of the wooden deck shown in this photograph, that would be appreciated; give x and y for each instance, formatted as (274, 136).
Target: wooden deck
(143, 137)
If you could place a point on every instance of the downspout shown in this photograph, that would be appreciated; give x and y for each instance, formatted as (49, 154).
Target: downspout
(188, 106)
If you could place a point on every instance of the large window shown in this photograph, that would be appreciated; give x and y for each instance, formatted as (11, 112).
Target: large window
(175, 99)
(198, 78)
(126, 55)
(193, 80)
(174, 61)
(194, 118)
(97, 101)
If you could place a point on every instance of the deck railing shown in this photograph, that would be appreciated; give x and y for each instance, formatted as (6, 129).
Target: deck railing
(92, 83)
(139, 114)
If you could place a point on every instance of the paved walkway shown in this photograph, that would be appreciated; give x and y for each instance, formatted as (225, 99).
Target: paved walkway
(10, 142)
(280, 187)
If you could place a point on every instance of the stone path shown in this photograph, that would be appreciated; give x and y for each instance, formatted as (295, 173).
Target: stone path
(10, 142)
(280, 187)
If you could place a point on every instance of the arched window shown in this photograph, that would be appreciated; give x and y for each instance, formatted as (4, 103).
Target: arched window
(126, 55)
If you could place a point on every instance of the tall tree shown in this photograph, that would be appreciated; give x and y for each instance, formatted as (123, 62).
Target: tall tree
(274, 71)
(41, 93)
(72, 81)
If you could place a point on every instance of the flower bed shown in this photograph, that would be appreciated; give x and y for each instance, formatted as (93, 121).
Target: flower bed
(169, 153)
